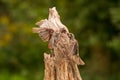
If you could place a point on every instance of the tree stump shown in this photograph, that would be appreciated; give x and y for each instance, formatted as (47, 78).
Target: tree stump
(62, 61)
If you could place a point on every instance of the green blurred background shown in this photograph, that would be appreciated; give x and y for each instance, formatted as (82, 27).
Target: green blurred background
(95, 23)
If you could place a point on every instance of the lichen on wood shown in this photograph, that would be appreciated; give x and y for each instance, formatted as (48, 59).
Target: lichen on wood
(62, 62)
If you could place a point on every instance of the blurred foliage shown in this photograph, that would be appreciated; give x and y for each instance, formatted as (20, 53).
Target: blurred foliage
(95, 23)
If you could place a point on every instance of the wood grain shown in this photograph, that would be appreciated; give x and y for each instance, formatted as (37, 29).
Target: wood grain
(62, 62)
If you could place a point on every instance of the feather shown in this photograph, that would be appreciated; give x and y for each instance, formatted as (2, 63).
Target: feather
(44, 33)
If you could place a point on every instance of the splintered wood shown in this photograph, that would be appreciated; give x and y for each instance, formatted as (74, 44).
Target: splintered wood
(62, 62)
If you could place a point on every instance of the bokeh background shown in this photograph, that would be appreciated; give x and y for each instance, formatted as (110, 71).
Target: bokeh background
(95, 23)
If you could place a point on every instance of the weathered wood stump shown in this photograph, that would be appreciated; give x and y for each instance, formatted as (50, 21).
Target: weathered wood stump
(62, 62)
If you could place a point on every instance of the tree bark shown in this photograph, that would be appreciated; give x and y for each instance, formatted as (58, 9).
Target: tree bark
(62, 62)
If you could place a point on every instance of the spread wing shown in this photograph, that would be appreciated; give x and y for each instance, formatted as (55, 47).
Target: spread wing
(44, 33)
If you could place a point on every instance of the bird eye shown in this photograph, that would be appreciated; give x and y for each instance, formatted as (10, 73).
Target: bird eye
(63, 30)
